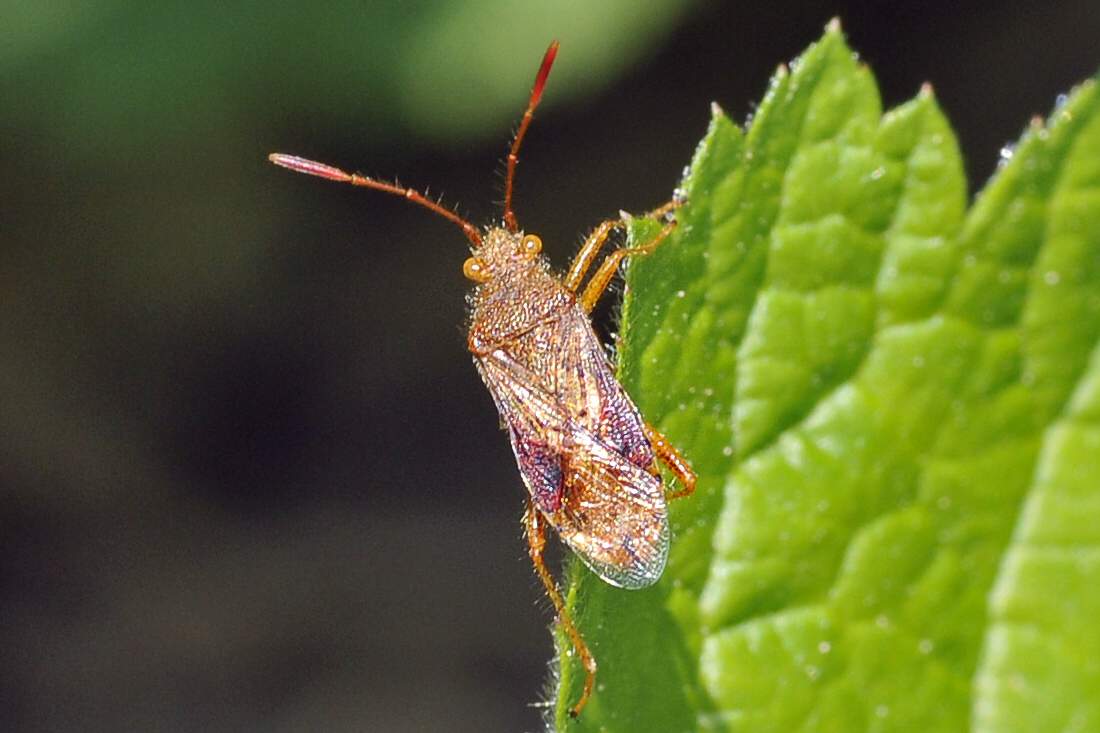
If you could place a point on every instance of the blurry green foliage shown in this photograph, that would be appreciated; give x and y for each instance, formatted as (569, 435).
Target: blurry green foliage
(117, 78)
(894, 409)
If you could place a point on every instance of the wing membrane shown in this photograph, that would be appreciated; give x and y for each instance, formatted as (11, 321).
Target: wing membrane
(613, 514)
(608, 509)
(588, 389)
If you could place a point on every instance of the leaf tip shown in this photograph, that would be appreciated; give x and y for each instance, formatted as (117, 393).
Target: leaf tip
(781, 71)
(833, 26)
(716, 110)
(926, 91)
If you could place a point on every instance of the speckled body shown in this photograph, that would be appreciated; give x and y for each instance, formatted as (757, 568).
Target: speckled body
(579, 441)
(587, 458)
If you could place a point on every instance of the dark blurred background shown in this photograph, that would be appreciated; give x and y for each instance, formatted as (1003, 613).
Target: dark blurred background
(249, 480)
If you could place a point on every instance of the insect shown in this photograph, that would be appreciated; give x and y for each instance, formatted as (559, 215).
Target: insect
(589, 461)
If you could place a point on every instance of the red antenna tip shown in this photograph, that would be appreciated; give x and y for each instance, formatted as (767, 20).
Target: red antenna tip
(312, 167)
(544, 72)
(513, 153)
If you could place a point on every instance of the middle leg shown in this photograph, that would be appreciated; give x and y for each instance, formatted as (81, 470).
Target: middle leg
(668, 455)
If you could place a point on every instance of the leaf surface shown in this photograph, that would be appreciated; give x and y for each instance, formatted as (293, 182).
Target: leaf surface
(893, 406)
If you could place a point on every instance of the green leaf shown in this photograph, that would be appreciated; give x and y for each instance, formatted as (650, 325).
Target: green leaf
(893, 406)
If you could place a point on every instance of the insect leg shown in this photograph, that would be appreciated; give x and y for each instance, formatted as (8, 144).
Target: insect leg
(665, 208)
(672, 459)
(591, 247)
(599, 282)
(536, 543)
(595, 241)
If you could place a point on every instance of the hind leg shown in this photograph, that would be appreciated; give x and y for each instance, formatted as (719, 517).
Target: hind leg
(536, 543)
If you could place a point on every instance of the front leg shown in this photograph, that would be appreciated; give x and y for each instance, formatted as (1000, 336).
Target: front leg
(591, 247)
(599, 282)
(594, 242)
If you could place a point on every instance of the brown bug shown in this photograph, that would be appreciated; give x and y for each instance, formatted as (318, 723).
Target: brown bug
(589, 460)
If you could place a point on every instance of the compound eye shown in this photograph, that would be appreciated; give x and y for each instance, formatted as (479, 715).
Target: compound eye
(474, 269)
(531, 245)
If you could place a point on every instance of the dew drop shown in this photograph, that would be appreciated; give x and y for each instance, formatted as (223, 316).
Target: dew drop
(680, 293)
(878, 173)
(824, 647)
(1051, 277)
(727, 451)
(813, 672)
(925, 646)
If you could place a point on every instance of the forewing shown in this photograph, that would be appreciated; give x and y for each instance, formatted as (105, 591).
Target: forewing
(613, 514)
(535, 422)
(582, 451)
(588, 387)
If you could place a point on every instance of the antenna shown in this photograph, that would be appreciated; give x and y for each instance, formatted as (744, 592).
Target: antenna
(313, 168)
(513, 154)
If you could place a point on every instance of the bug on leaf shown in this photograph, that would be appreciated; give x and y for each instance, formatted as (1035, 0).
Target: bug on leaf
(588, 459)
